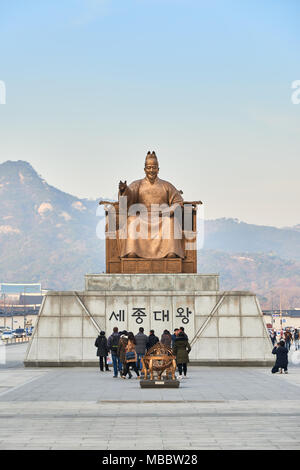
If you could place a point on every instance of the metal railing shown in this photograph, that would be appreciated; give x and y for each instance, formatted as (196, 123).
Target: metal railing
(24, 339)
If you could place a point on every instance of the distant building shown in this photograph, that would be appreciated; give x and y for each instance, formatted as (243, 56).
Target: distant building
(289, 318)
(30, 300)
(16, 288)
(20, 298)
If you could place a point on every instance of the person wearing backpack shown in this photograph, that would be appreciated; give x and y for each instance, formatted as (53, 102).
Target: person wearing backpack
(130, 357)
(102, 350)
(112, 344)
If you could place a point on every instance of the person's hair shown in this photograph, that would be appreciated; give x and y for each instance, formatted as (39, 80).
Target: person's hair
(281, 343)
(102, 333)
(115, 329)
(141, 329)
(131, 337)
(152, 331)
(166, 332)
(181, 328)
(176, 329)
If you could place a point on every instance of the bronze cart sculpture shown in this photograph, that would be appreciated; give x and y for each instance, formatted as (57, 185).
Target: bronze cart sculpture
(157, 360)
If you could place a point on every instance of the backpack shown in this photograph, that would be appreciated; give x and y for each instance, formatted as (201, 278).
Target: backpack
(115, 344)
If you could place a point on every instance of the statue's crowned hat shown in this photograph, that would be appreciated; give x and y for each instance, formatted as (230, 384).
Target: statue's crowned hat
(151, 155)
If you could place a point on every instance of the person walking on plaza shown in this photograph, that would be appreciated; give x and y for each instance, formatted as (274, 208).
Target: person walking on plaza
(281, 362)
(296, 339)
(102, 350)
(152, 340)
(130, 357)
(122, 349)
(273, 337)
(113, 344)
(281, 335)
(288, 339)
(181, 350)
(166, 339)
(141, 345)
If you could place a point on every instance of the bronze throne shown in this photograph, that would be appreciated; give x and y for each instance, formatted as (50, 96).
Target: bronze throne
(117, 264)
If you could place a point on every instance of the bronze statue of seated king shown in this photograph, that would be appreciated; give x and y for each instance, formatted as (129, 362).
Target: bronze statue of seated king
(150, 227)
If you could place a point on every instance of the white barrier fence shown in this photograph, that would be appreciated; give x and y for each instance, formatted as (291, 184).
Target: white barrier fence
(24, 339)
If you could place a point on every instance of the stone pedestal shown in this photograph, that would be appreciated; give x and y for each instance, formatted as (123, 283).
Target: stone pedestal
(224, 328)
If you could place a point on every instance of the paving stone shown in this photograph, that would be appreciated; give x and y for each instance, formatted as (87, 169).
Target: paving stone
(216, 408)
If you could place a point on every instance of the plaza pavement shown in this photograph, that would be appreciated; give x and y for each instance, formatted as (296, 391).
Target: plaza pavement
(81, 408)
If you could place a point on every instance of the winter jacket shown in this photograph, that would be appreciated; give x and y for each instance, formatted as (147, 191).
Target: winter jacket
(181, 350)
(166, 340)
(152, 340)
(121, 349)
(141, 343)
(101, 345)
(281, 356)
(113, 341)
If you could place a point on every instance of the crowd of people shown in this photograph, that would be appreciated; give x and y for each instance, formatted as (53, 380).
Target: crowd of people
(287, 336)
(282, 347)
(127, 350)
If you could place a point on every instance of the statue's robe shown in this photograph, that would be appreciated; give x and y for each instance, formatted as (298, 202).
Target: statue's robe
(147, 234)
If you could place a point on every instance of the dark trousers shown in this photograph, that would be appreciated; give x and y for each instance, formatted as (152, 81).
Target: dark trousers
(182, 366)
(134, 367)
(101, 362)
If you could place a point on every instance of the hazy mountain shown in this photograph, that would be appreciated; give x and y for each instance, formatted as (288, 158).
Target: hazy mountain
(262, 273)
(232, 235)
(50, 236)
(45, 234)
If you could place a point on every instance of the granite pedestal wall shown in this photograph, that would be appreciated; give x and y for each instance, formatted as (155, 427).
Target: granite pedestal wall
(224, 328)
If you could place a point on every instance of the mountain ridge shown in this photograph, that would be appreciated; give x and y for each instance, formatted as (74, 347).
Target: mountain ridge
(49, 235)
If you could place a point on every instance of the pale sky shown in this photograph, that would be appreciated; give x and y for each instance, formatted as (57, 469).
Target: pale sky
(92, 85)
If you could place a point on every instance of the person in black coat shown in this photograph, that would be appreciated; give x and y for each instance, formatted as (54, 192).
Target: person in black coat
(152, 340)
(102, 350)
(281, 358)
